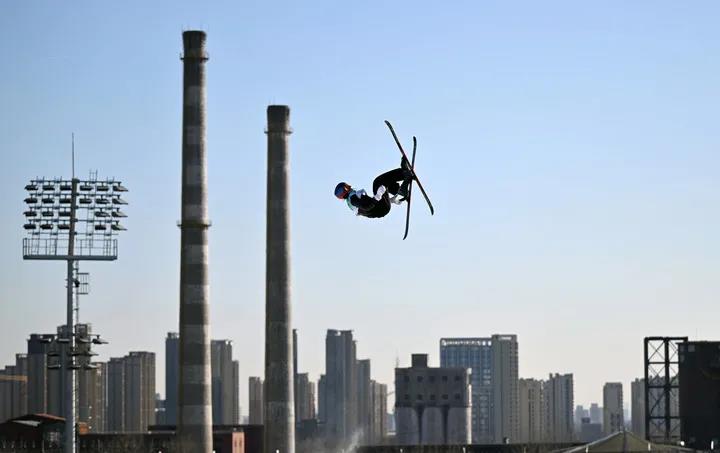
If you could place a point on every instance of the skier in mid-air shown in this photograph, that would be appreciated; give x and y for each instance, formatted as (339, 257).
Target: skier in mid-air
(394, 186)
(389, 187)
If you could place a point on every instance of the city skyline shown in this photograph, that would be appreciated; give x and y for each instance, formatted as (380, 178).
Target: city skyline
(225, 347)
(572, 188)
(545, 412)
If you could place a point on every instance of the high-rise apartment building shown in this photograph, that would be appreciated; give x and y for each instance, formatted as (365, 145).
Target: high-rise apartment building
(379, 416)
(139, 390)
(558, 398)
(596, 413)
(131, 392)
(580, 413)
(56, 378)
(224, 394)
(225, 381)
(637, 396)
(341, 398)
(38, 345)
(322, 400)
(46, 386)
(364, 400)
(476, 354)
(613, 419)
(432, 405)
(160, 410)
(13, 389)
(296, 402)
(19, 386)
(98, 412)
(495, 394)
(506, 421)
(172, 376)
(255, 393)
(92, 397)
(116, 395)
(305, 396)
(236, 399)
(304, 389)
(531, 410)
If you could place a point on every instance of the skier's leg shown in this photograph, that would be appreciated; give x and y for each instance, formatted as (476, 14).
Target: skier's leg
(391, 180)
(407, 177)
(405, 165)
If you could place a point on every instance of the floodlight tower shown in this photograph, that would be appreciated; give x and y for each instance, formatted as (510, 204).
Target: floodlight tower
(57, 210)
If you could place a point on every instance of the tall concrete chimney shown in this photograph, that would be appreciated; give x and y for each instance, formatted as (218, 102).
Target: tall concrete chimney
(279, 411)
(194, 427)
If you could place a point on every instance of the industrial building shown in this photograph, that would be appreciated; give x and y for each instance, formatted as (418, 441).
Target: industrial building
(432, 405)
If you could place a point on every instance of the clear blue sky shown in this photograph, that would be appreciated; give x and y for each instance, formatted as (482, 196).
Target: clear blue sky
(570, 148)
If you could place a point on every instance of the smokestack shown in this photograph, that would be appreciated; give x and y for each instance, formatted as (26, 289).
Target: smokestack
(194, 427)
(279, 401)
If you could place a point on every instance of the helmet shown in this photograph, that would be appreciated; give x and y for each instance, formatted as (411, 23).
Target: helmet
(342, 190)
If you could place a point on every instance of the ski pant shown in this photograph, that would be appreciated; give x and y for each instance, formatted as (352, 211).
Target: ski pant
(391, 180)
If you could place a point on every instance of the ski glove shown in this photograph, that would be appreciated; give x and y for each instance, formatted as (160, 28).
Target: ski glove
(380, 192)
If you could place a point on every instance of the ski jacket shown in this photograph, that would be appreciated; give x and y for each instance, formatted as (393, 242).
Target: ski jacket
(361, 204)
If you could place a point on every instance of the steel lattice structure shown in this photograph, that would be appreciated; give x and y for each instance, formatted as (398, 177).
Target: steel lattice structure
(662, 389)
(72, 220)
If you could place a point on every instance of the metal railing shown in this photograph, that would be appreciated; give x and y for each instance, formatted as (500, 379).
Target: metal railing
(93, 248)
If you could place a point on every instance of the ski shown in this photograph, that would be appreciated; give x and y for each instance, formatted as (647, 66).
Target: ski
(409, 190)
(412, 170)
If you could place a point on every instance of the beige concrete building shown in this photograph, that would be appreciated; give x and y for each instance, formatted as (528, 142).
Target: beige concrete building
(558, 404)
(13, 389)
(613, 419)
(432, 405)
(531, 410)
(255, 393)
(378, 407)
(131, 392)
(224, 392)
(306, 398)
(637, 397)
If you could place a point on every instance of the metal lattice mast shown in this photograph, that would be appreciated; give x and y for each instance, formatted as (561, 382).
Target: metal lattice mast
(662, 386)
(70, 400)
(52, 221)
